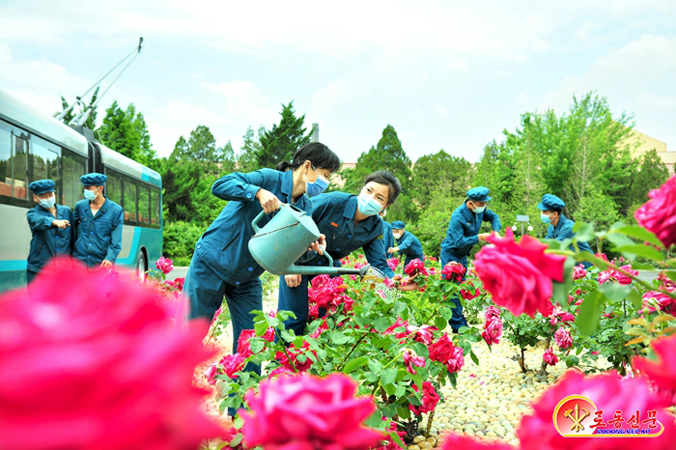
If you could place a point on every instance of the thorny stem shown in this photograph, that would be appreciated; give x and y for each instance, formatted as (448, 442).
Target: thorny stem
(288, 357)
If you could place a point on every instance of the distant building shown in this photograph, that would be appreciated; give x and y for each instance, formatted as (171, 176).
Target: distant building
(647, 143)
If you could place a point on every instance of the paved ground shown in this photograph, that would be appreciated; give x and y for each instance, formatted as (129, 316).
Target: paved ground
(178, 272)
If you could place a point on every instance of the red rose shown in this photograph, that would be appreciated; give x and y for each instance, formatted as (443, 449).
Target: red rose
(453, 271)
(415, 267)
(411, 361)
(165, 265)
(243, 345)
(442, 349)
(519, 275)
(232, 364)
(304, 411)
(492, 331)
(86, 362)
(608, 392)
(549, 357)
(429, 399)
(659, 213)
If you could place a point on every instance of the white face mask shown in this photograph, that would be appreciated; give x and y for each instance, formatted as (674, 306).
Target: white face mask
(48, 203)
(478, 209)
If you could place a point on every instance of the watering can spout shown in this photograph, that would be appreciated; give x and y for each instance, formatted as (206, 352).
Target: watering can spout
(318, 270)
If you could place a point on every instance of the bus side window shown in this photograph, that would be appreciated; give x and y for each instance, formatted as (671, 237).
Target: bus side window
(73, 167)
(129, 199)
(44, 161)
(143, 204)
(156, 210)
(13, 165)
(114, 187)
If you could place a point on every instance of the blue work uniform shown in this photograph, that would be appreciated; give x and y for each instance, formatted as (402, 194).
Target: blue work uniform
(334, 215)
(222, 265)
(388, 237)
(410, 247)
(462, 235)
(97, 237)
(48, 241)
(564, 230)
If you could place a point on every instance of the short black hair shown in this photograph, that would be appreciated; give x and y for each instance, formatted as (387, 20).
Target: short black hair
(388, 179)
(317, 153)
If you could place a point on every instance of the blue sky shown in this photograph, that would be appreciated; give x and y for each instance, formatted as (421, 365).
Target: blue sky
(445, 74)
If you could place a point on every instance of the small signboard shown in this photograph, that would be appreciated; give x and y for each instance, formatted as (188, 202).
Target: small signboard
(522, 218)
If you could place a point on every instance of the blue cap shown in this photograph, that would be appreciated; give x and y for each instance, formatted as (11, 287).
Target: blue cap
(398, 225)
(551, 203)
(42, 186)
(93, 179)
(479, 194)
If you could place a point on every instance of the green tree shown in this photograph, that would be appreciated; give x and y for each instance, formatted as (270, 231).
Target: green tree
(440, 173)
(651, 175)
(125, 131)
(247, 160)
(281, 142)
(389, 155)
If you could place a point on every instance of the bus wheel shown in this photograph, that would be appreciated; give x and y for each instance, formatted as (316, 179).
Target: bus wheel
(141, 266)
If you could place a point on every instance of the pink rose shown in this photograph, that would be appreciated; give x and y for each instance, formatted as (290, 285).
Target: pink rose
(456, 361)
(165, 265)
(393, 263)
(563, 339)
(304, 411)
(608, 392)
(579, 272)
(232, 364)
(411, 361)
(492, 331)
(549, 357)
(429, 399)
(453, 271)
(519, 275)
(423, 334)
(211, 372)
(86, 361)
(492, 313)
(659, 213)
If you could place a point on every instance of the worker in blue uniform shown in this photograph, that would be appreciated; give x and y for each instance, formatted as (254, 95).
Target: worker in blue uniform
(463, 234)
(407, 244)
(559, 226)
(98, 224)
(388, 237)
(50, 226)
(221, 264)
(349, 222)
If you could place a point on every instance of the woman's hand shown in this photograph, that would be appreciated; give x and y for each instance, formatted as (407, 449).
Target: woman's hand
(268, 200)
(293, 280)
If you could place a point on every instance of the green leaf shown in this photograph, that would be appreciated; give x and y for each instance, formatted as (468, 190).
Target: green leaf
(453, 378)
(584, 231)
(381, 324)
(639, 232)
(572, 360)
(417, 379)
(395, 437)
(338, 337)
(641, 250)
(446, 313)
(375, 419)
(404, 412)
(440, 322)
(375, 366)
(354, 363)
(474, 358)
(390, 388)
(615, 292)
(587, 320)
(671, 274)
(239, 421)
(399, 307)
(388, 375)
(260, 328)
(636, 299)
(561, 291)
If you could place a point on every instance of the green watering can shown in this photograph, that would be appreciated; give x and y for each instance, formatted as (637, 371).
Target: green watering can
(285, 238)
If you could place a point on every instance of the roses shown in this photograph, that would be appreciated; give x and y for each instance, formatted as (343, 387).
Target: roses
(92, 351)
(411, 361)
(415, 268)
(445, 352)
(304, 411)
(549, 357)
(429, 399)
(453, 271)
(492, 326)
(563, 338)
(519, 275)
(659, 213)
(165, 265)
(299, 358)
